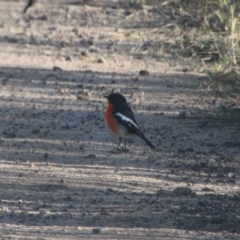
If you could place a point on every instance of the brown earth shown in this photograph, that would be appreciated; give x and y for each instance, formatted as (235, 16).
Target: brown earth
(61, 177)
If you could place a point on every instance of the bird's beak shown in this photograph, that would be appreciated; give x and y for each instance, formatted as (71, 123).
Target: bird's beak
(105, 96)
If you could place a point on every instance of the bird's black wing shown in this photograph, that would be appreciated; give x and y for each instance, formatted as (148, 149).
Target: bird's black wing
(126, 118)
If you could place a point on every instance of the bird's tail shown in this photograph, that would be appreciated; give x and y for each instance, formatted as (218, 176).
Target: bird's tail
(141, 135)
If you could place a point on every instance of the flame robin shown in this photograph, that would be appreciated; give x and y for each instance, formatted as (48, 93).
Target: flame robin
(121, 120)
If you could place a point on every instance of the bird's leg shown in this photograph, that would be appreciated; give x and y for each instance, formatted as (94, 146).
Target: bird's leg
(119, 143)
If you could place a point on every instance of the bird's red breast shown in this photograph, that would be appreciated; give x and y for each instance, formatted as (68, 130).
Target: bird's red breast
(110, 119)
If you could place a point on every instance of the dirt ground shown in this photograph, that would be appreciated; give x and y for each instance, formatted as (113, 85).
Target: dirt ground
(61, 177)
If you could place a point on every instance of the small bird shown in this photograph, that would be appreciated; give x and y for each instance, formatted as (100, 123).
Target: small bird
(121, 120)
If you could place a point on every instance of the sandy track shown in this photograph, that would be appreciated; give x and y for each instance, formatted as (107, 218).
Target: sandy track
(60, 175)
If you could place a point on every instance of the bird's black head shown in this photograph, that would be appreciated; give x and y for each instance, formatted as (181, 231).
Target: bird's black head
(116, 99)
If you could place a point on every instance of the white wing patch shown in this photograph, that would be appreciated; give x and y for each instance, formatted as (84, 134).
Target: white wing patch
(127, 120)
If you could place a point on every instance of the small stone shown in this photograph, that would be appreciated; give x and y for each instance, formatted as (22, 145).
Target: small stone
(95, 230)
(84, 42)
(24, 213)
(43, 18)
(55, 68)
(142, 94)
(77, 32)
(126, 197)
(90, 42)
(45, 155)
(84, 54)
(212, 163)
(206, 189)
(144, 73)
(100, 60)
(231, 175)
(11, 40)
(91, 156)
(189, 149)
(93, 49)
(89, 94)
(68, 58)
(182, 191)
(110, 190)
(61, 90)
(35, 131)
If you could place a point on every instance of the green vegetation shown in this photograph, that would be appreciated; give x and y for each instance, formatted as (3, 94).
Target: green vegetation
(209, 30)
(205, 33)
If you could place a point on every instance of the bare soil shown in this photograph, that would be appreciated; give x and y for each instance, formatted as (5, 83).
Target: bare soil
(61, 176)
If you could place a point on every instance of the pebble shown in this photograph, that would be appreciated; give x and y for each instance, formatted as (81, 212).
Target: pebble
(184, 150)
(55, 68)
(144, 73)
(206, 189)
(35, 131)
(212, 163)
(96, 230)
(182, 191)
(231, 175)
(68, 58)
(100, 60)
(90, 156)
